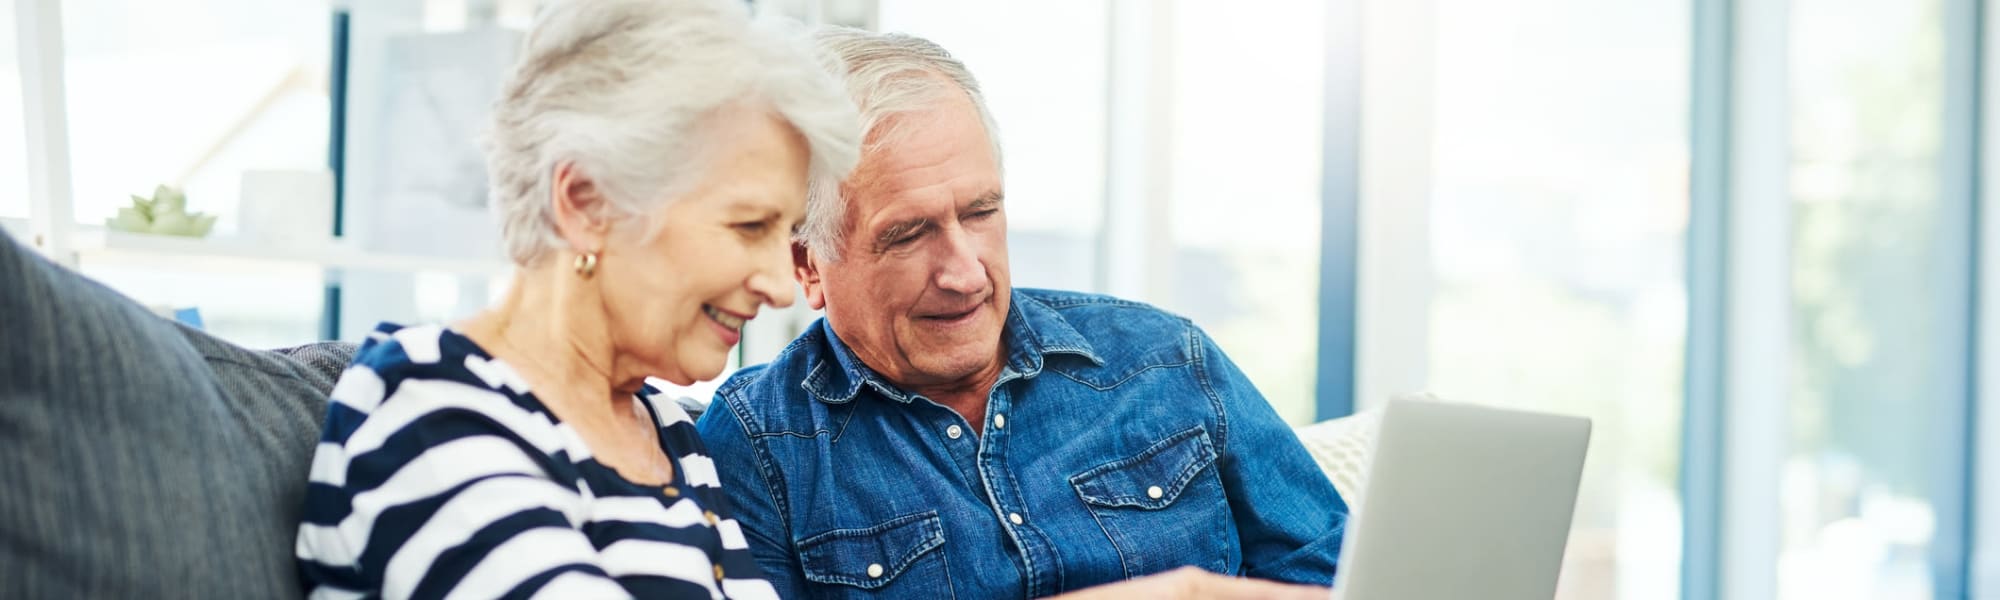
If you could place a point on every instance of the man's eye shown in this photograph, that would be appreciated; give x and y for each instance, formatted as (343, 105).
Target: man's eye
(984, 213)
(752, 227)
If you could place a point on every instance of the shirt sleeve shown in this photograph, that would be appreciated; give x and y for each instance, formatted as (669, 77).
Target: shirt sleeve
(430, 496)
(1289, 517)
(738, 464)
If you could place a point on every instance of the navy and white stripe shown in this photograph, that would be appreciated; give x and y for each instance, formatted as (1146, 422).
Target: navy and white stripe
(440, 475)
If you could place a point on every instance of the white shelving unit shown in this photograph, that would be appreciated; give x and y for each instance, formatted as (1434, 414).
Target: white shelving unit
(38, 33)
(52, 230)
(96, 244)
(92, 244)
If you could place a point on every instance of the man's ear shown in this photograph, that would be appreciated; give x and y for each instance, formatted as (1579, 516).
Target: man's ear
(577, 205)
(805, 268)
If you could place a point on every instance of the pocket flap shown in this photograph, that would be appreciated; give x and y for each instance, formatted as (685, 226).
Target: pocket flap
(1152, 479)
(872, 557)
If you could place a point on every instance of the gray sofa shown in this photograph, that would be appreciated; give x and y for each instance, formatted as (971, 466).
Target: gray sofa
(141, 458)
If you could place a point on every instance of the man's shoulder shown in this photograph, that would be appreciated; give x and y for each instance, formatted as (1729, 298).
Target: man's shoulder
(772, 396)
(1116, 327)
(1095, 309)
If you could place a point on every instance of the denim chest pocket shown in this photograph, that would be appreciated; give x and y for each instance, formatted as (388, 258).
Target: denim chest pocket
(900, 558)
(1164, 507)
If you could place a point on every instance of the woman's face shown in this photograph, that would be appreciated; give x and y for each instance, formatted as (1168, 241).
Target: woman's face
(677, 296)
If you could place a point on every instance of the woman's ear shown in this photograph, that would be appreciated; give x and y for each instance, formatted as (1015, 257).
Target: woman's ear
(579, 208)
(806, 269)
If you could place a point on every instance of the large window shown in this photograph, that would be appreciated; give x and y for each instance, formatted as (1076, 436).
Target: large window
(1558, 214)
(1867, 397)
(13, 148)
(214, 95)
(192, 96)
(1245, 187)
(421, 79)
(1171, 151)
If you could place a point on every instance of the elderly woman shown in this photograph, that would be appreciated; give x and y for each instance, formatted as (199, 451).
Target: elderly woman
(649, 160)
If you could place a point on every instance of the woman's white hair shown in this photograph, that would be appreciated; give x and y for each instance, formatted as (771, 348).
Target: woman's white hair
(623, 89)
(886, 74)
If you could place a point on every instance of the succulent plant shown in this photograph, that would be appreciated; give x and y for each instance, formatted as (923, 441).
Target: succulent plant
(164, 213)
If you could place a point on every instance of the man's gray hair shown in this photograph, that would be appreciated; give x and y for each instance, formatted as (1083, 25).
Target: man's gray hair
(623, 89)
(887, 74)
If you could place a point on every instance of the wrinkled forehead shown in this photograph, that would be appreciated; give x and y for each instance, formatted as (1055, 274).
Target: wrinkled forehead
(943, 146)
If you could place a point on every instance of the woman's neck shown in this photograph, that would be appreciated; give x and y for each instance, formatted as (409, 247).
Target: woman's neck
(551, 327)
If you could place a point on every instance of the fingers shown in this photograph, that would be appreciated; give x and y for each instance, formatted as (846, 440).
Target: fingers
(1210, 585)
(1193, 583)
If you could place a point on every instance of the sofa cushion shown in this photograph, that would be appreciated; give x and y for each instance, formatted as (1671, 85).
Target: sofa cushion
(140, 458)
(1345, 447)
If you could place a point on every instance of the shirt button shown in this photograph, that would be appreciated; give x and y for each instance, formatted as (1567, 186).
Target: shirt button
(953, 432)
(718, 572)
(1154, 492)
(999, 421)
(1015, 517)
(875, 570)
(712, 520)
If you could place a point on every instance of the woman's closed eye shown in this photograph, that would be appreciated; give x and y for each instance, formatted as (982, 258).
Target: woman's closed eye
(753, 229)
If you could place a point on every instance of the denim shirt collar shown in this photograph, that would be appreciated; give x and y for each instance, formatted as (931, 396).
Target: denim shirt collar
(1033, 331)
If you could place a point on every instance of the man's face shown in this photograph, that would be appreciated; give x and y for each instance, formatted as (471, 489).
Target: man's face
(921, 290)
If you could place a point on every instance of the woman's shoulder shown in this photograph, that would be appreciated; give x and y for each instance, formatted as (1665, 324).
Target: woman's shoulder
(395, 353)
(420, 374)
(682, 440)
(667, 412)
(415, 350)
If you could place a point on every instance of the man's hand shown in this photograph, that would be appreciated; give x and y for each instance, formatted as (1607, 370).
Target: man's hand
(1191, 582)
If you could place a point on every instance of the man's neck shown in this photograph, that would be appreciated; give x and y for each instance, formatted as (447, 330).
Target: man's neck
(967, 396)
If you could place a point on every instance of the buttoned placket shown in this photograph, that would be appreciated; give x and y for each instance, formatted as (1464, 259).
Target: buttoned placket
(1034, 550)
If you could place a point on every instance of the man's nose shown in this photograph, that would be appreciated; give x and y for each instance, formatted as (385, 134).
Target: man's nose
(961, 271)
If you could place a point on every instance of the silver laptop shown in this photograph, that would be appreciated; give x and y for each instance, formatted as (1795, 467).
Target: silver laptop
(1464, 502)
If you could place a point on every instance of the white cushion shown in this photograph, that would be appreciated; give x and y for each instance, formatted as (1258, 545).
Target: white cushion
(1344, 446)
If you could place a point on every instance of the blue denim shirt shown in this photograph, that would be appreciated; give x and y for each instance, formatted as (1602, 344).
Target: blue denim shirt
(1129, 445)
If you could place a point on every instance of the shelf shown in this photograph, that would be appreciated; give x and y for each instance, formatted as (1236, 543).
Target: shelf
(95, 243)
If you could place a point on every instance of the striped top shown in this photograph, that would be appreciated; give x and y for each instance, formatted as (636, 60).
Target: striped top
(440, 474)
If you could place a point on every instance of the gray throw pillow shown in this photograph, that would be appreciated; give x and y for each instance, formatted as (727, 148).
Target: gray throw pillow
(140, 458)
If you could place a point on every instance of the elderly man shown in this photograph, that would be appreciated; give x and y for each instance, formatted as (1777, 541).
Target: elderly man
(941, 434)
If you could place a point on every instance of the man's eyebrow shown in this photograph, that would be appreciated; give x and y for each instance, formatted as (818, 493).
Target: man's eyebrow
(990, 200)
(899, 229)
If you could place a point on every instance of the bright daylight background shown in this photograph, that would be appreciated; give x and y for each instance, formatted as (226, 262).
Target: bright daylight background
(1525, 211)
